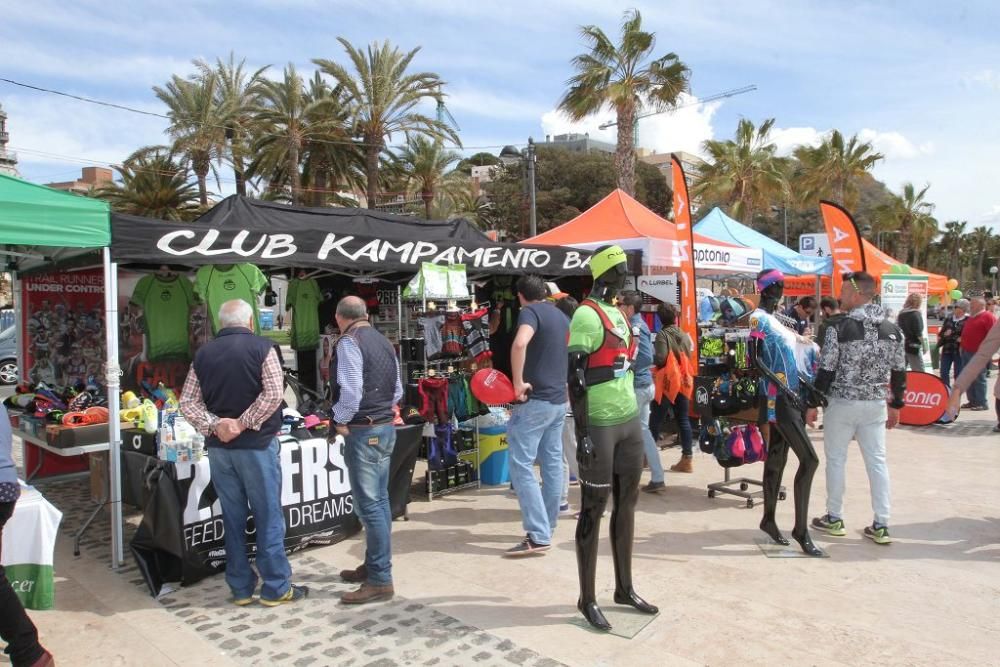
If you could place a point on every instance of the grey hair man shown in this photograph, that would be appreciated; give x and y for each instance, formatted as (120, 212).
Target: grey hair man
(232, 395)
(364, 379)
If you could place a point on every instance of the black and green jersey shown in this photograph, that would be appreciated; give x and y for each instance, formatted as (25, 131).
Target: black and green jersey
(166, 306)
(217, 285)
(304, 298)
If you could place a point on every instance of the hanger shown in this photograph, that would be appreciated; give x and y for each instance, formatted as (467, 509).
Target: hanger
(165, 272)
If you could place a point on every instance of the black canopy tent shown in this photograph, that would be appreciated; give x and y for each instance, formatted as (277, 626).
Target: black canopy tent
(344, 240)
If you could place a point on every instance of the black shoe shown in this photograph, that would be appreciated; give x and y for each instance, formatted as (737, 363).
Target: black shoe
(594, 615)
(654, 487)
(526, 547)
(631, 599)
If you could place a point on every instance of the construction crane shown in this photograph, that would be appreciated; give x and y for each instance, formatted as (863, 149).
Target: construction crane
(711, 98)
(443, 115)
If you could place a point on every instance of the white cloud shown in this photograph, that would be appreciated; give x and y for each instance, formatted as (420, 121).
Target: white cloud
(683, 129)
(789, 138)
(467, 100)
(987, 78)
(894, 146)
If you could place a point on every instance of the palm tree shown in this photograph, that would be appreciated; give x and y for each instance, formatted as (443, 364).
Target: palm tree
(951, 240)
(196, 123)
(332, 159)
(744, 175)
(830, 170)
(285, 119)
(236, 97)
(153, 184)
(624, 78)
(980, 240)
(901, 214)
(424, 162)
(383, 99)
(925, 230)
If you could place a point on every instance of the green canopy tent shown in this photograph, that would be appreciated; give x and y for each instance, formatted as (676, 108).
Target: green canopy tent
(41, 227)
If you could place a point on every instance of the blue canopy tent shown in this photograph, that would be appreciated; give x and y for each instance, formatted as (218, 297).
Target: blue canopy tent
(719, 226)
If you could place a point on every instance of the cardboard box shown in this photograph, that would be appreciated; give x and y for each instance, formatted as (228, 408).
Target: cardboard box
(64, 437)
(99, 477)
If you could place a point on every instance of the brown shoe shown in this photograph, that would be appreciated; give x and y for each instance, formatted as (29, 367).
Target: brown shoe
(686, 464)
(368, 593)
(358, 575)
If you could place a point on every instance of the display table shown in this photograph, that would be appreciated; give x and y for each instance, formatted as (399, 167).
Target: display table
(29, 538)
(181, 536)
(43, 447)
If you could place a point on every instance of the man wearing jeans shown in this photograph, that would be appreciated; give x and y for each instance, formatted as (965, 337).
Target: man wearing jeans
(540, 367)
(862, 357)
(973, 333)
(232, 395)
(365, 381)
(630, 303)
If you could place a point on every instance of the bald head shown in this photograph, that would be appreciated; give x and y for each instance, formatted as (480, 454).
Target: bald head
(236, 313)
(978, 305)
(350, 309)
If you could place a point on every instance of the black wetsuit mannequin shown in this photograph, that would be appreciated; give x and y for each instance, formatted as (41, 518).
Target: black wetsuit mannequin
(617, 449)
(788, 430)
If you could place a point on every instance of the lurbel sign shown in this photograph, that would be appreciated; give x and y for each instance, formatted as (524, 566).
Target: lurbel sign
(663, 288)
(926, 399)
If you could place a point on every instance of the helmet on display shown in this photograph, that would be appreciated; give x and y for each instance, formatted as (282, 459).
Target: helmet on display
(605, 259)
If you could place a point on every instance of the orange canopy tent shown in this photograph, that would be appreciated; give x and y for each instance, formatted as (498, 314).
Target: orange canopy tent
(620, 219)
(877, 263)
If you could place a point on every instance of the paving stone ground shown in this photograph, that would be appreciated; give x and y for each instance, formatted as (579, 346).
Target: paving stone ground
(318, 631)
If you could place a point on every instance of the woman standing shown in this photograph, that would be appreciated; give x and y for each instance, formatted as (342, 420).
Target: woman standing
(674, 379)
(911, 322)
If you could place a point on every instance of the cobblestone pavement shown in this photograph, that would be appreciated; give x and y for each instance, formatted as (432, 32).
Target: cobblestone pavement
(317, 631)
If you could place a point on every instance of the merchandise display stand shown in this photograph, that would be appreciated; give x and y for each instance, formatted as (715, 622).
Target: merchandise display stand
(743, 485)
(446, 480)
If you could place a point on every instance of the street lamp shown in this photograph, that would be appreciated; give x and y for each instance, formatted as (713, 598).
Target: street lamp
(878, 238)
(784, 215)
(993, 274)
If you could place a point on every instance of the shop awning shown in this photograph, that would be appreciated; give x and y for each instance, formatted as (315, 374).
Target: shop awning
(621, 220)
(348, 240)
(34, 215)
(720, 227)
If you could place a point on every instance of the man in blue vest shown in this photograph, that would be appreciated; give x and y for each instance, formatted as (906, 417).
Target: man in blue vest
(233, 396)
(364, 377)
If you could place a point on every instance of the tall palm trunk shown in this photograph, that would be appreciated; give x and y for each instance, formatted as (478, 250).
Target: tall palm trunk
(237, 155)
(428, 196)
(201, 166)
(319, 183)
(625, 152)
(903, 248)
(373, 146)
(294, 177)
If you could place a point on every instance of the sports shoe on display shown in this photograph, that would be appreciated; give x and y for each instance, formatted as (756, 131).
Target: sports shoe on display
(294, 594)
(654, 487)
(830, 525)
(526, 548)
(878, 534)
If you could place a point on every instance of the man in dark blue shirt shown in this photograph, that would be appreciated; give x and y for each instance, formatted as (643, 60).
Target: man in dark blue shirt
(540, 368)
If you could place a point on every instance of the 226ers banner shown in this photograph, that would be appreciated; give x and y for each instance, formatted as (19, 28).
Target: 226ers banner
(685, 245)
(845, 242)
(182, 535)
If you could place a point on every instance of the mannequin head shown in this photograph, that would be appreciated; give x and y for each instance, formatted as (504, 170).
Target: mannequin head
(609, 269)
(771, 285)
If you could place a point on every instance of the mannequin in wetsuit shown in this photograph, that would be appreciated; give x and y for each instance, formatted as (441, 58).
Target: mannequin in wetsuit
(773, 353)
(608, 432)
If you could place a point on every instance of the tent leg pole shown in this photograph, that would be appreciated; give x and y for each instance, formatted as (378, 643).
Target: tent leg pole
(114, 424)
(819, 295)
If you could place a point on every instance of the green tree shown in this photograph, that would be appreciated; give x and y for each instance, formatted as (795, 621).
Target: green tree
(425, 162)
(332, 159)
(285, 119)
(902, 213)
(951, 243)
(980, 239)
(744, 175)
(236, 97)
(153, 183)
(196, 123)
(832, 169)
(625, 78)
(925, 230)
(384, 101)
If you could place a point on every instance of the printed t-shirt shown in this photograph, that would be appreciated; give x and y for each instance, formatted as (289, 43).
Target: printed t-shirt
(546, 362)
(166, 307)
(613, 402)
(216, 286)
(304, 298)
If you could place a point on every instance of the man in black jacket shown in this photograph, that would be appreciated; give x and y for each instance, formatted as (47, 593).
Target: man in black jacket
(862, 356)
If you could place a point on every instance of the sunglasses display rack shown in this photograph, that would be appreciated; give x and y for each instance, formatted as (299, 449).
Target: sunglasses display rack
(458, 470)
(726, 395)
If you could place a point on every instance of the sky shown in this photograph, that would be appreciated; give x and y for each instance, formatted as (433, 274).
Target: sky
(919, 79)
